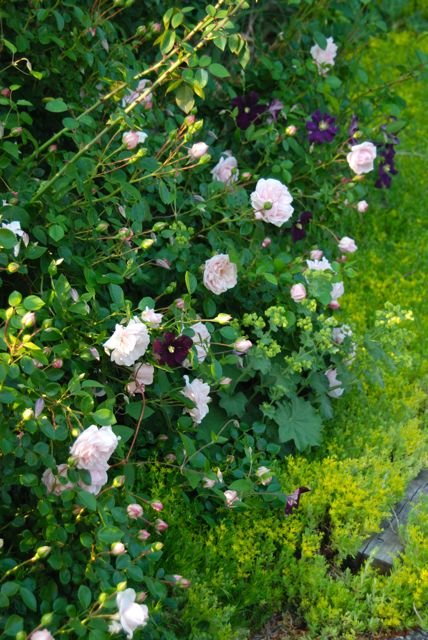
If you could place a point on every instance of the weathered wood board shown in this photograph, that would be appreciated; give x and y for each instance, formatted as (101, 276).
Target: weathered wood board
(384, 546)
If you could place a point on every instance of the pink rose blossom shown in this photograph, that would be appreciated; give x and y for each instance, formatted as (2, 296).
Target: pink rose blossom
(52, 483)
(198, 392)
(134, 95)
(142, 375)
(361, 157)
(362, 206)
(131, 614)
(337, 290)
(226, 170)
(316, 254)
(198, 150)
(325, 56)
(336, 389)
(298, 292)
(208, 483)
(220, 274)
(271, 202)
(201, 340)
(98, 479)
(150, 317)
(347, 245)
(143, 534)
(319, 265)
(131, 138)
(93, 447)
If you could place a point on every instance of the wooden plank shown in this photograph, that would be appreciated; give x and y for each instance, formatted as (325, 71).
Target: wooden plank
(386, 545)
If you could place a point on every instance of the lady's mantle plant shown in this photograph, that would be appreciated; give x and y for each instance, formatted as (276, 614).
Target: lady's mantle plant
(175, 248)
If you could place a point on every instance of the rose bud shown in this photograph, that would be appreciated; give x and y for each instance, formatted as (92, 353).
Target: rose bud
(134, 511)
(161, 525)
(207, 483)
(6, 92)
(334, 305)
(57, 363)
(157, 506)
(130, 139)
(231, 497)
(298, 292)
(347, 245)
(28, 319)
(179, 303)
(266, 242)
(117, 548)
(198, 150)
(143, 534)
(362, 206)
(242, 345)
(291, 130)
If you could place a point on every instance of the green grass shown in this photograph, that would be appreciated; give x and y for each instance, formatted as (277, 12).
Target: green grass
(256, 563)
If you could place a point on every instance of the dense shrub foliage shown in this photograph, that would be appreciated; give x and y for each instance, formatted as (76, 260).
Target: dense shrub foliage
(178, 197)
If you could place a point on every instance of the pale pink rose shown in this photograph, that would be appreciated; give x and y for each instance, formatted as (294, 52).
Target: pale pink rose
(150, 317)
(161, 525)
(339, 334)
(93, 447)
(242, 345)
(362, 206)
(336, 389)
(201, 340)
(133, 95)
(263, 474)
(266, 242)
(207, 483)
(134, 511)
(142, 375)
(197, 391)
(325, 56)
(128, 344)
(15, 227)
(98, 479)
(131, 138)
(337, 290)
(291, 130)
(226, 170)
(271, 202)
(316, 254)
(41, 634)
(225, 381)
(117, 548)
(298, 292)
(347, 245)
(361, 157)
(220, 274)
(319, 265)
(197, 150)
(52, 482)
(131, 614)
(231, 497)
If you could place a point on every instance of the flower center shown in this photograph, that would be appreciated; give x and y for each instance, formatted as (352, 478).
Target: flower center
(323, 125)
(247, 110)
(171, 348)
(267, 205)
(387, 168)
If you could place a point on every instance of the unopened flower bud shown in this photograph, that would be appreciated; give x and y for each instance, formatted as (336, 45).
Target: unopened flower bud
(125, 234)
(147, 243)
(334, 305)
(134, 511)
(94, 353)
(27, 414)
(57, 363)
(197, 150)
(225, 381)
(189, 120)
(157, 546)
(170, 457)
(208, 483)
(242, 345)
(362, 206)
(121, 586)
(12, 267)
(143, 534)
(117, 548)
(246, 175)
(38, 407)
(161, 525)
(222, 318)
(291, 130)
(6, 92)
(101, 227)
(179, 303)
(28, 319)
(266, 242)
(16, 131)
(157, 506)
(43, 552)
(119, 481)
(102, 597)
(163, 437)
(298, 292)
(141, 596)
(157, 27)
(52, 148)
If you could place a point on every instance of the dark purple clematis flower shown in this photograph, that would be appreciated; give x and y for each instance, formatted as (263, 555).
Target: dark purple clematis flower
(274, 110)
(321, 127)
(293, 500)
(386, 167)
(172, 350)
(298, 229)
(353, 129)
(248, 109)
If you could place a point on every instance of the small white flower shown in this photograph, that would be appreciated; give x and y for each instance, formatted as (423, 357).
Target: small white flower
(197, 150)
(337, 290)
(319, 265)
(197, 391)
(324, 57)
(347, 245)
(131, 614)
(226, 170)
(150, 317)
(231, 497)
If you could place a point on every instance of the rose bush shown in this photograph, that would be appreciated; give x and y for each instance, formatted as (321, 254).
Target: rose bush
(147, 317)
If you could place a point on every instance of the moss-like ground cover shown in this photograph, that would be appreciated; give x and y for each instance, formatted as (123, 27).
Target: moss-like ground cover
(254, 564)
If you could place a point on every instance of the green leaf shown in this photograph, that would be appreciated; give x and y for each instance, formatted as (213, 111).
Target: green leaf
(85, 596)
(14, 624)
(242, 486)
(56, 232)
(33, 303)
(108, 535)
(87, 500)
(298, 421)
(168, 41)
(320, 39)
(234, 405)
(56, 106)
(14, 298)
(188, 444)
(184, 98)
(7, 239)
(191, 282)
(270, 278)
(104, 417)
(218, 70)
(28, 598)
